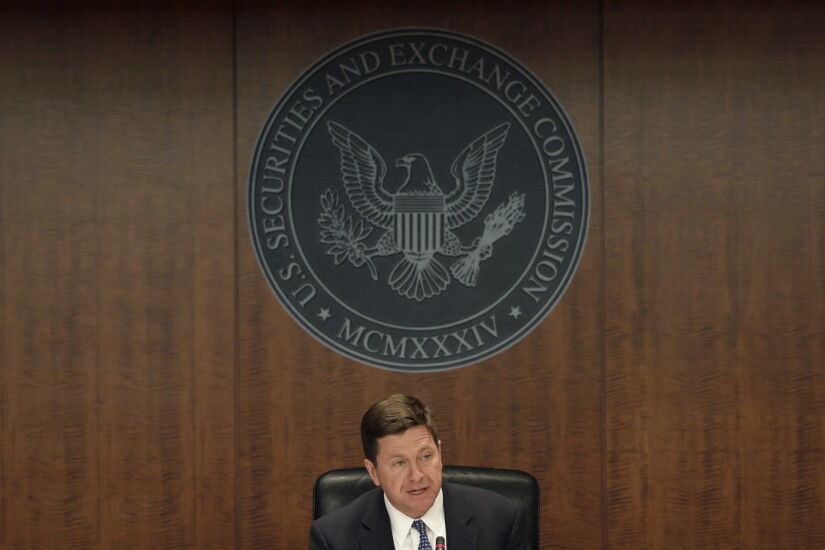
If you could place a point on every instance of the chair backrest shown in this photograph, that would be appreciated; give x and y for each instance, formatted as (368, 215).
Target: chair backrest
(337, 488)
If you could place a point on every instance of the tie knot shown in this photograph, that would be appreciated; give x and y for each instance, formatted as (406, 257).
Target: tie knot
(424, 543)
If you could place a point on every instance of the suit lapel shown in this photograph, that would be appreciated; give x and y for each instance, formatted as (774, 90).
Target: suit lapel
(457, 516)
(376, 531)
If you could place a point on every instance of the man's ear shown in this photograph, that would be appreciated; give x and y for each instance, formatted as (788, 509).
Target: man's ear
(439, 448)
(371, 470)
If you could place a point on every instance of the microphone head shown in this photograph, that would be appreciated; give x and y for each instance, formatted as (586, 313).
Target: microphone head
(439, 544)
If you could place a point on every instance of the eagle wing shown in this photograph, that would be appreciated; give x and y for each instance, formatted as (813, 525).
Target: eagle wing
(363, 171)
(474, 170)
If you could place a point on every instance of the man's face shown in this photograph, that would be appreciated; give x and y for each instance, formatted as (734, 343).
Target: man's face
(408, 469)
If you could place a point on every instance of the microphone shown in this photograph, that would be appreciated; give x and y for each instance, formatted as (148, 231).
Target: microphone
(439, 543)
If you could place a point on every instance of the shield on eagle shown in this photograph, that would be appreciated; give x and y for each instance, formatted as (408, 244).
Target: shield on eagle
(419, 223)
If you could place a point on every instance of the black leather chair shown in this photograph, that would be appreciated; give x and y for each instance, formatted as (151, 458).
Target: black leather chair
(337, 488)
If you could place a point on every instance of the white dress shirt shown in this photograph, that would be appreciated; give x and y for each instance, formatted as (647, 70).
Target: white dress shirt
(405, 536)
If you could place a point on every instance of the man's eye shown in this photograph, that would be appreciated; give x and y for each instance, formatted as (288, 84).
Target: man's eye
(398, 463)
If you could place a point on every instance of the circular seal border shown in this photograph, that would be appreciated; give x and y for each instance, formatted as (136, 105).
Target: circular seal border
(448, 363)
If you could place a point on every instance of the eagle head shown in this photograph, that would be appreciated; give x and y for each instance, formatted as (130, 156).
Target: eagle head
(420, 179)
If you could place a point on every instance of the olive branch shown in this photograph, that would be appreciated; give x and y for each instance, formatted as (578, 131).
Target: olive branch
(347, 239)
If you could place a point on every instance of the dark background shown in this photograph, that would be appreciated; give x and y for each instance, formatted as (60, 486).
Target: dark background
(154, 393)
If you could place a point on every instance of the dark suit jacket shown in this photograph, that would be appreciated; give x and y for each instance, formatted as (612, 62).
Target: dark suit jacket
(476, 520)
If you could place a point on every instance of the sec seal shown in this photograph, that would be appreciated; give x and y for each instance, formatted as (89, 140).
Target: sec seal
(418, 200)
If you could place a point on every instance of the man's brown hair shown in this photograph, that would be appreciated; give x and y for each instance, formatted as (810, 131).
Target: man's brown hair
(393, 415)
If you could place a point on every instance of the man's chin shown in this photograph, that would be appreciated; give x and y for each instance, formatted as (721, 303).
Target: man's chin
(418, 504)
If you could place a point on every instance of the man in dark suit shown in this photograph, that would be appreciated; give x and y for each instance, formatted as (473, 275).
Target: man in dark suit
(410, 506)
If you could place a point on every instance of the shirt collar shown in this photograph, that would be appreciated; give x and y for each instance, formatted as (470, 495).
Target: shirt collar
(401, 523)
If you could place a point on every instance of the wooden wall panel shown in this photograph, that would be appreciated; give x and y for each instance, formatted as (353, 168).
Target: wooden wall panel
(536, 406)
(118, 302)
(714, 208)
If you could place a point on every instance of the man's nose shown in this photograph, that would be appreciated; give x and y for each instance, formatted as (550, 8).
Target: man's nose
(415, 472)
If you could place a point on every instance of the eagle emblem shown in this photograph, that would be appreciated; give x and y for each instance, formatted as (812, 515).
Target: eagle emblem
(418, 221)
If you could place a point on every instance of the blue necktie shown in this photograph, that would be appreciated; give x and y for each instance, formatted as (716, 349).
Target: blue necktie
(422, 529)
